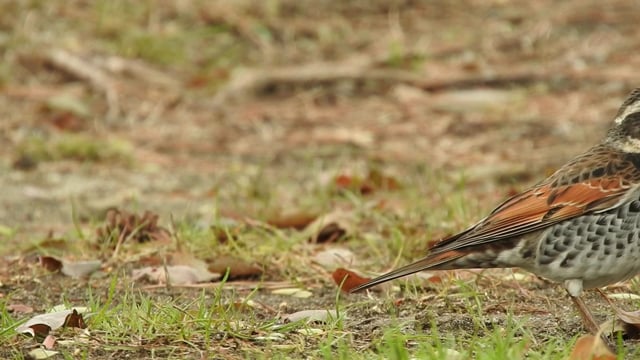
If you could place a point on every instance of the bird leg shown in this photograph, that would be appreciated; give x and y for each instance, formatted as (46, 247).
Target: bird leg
(585, 314)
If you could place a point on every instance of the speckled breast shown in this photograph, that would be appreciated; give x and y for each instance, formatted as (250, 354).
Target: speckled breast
(600, 248)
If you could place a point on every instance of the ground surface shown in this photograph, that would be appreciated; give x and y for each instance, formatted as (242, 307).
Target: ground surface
(228, 118)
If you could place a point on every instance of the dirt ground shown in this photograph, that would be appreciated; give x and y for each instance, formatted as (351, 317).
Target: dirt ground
(257, 118)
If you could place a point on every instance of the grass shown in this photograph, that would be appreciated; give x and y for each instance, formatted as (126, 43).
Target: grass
(457, 317)
(217, 321)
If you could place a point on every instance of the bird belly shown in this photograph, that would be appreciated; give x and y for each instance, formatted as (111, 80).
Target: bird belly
(599, 248)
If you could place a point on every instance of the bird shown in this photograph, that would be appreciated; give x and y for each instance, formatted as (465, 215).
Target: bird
(579, 227)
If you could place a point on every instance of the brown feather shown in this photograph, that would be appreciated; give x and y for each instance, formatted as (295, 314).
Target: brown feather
(573, 190)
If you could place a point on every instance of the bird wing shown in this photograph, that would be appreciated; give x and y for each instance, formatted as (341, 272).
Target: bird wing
(595, 181)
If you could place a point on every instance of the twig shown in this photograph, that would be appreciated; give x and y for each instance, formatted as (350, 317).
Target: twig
(254, 81)
(83, 70)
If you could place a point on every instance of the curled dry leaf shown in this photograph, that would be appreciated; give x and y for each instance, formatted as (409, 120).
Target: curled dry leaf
(121, 225)
(630, 319)
(238, 269)
(80, 268)
(297, 221)
(590, 347)
(631, 322)
(76, 269)
(334, 257)
(331, 227)
(50, 263)
(174, 274)
(49, 342)
(347, 279)
(320, 315)
(331, 232)
(41, 325)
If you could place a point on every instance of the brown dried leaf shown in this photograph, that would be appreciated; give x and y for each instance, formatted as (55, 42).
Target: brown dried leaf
(331, 227)
(330, 233)
(347, 279)
(296, 221)
(49, 342)
(238, 269)
(41, 325)
(590, 347)
(121, 225)
(50, 263)
(20, 308)
(628, 317)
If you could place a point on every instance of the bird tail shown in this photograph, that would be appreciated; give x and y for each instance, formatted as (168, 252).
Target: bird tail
(434, 261)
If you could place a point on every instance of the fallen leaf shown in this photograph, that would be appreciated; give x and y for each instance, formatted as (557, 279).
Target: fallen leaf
(20, 308)
(175, 274)
(320, 315)
(80, 268)
(121, 225)
(589, 347)
(63, 307)
(334, 257)
(347, 279)
(331, 232)
(50, 263)
(331, 227)
(629, 317)
(41, 325)
(73, 269)
(42, 354)
(49, 342)
(296, 221)
(238, 269)
(295, 292)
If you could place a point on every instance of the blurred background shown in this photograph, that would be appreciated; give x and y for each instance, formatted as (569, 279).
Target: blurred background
(231, 109)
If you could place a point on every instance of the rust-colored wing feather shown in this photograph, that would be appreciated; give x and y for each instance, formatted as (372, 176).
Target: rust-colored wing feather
(592, 182)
